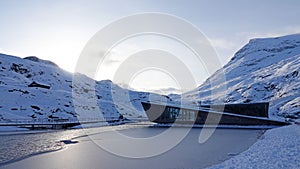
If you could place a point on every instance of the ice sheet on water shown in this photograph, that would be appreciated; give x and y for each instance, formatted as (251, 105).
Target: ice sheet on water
(18, 146)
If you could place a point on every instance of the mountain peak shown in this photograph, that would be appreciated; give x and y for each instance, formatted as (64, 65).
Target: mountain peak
(36, 59)
(269, 45)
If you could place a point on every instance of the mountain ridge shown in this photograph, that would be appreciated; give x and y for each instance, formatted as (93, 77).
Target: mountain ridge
(35, 89)
(264, 70)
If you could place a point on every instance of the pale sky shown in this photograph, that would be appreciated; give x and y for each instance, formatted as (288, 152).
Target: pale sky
(57, 30)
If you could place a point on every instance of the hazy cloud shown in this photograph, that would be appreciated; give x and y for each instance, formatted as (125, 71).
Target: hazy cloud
(223, 43)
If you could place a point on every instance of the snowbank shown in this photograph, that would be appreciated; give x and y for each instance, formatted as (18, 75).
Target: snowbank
(278, 148)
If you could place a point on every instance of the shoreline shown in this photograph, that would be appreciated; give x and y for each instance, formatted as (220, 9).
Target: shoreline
(277, 148)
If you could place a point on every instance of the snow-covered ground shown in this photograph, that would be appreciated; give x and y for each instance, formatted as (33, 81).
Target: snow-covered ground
(277, 149)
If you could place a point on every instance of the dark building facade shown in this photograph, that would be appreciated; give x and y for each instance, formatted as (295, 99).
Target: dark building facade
(228, 114)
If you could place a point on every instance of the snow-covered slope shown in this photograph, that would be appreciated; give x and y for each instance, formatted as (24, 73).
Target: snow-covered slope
(32, 88)
(264, 70)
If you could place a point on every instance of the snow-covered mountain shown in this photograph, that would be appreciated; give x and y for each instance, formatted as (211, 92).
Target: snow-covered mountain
(32, 88)
(264, 70)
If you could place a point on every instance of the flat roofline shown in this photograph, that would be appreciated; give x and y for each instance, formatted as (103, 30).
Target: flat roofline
(217, 112)
(199, 107)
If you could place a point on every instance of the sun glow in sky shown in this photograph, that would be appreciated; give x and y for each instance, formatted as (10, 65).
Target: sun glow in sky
(156, 78)
(58, 30)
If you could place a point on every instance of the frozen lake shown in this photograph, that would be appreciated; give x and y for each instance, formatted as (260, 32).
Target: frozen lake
(84, 153)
